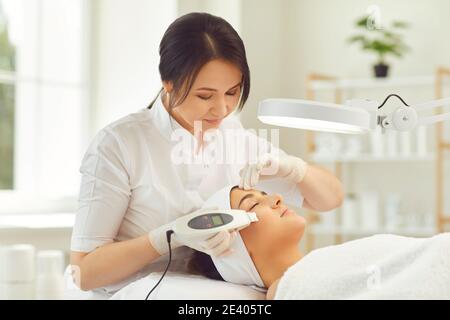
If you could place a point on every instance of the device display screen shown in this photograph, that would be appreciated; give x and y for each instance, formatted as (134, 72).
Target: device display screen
(217, 220)
(210, 220)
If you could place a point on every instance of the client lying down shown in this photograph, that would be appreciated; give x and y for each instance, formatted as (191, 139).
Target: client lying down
(266, 254)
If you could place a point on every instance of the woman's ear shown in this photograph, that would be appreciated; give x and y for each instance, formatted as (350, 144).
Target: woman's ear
(168, 86)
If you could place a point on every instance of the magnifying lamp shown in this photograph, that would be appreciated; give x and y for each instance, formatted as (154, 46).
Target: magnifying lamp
(356, 116)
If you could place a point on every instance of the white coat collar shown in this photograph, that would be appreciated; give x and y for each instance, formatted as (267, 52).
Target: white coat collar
(163, 121)
(166, 124)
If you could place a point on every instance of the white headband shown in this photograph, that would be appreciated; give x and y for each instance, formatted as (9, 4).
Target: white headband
(237, 267)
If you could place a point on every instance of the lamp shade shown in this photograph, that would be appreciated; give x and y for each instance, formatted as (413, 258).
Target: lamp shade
(313, 115)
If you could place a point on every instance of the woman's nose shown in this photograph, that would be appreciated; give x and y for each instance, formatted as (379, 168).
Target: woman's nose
(221, 109)
(277, 199)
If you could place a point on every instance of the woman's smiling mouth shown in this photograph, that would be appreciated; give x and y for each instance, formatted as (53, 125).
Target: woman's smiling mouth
(214, 121)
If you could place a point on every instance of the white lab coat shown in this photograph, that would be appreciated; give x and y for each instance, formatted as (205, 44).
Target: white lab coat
(130, 185)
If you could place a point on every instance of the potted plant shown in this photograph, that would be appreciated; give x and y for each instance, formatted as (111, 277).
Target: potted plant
(381, 41)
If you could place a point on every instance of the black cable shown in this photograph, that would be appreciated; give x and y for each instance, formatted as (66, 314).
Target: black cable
(393, 95)
(168, 235)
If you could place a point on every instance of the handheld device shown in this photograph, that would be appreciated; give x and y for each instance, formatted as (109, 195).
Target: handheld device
(205, 224)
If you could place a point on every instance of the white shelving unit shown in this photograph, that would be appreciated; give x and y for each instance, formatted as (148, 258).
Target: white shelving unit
(368, 83)
(370, 158)
(37, 221)
(319, 83)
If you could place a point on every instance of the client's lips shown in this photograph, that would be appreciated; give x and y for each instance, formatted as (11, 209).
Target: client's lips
(286, 211)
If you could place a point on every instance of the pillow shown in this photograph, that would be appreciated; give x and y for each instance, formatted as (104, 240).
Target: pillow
(178, 286)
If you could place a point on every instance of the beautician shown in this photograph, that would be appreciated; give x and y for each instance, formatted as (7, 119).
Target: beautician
(131, 189)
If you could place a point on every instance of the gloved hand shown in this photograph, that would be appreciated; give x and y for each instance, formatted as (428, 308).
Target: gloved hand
(216, 245)
(268, 166)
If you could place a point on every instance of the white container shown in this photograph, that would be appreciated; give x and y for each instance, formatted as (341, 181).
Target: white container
(16, 291)
(391, 211)
(422, 141)
(369, 208)
(328, 144)
(350, 217)
(50, 279)
(353, 147)
(377, 144)
(405, 143)
(328, 219)
(429, 219)
(391, 139)
(17, 271)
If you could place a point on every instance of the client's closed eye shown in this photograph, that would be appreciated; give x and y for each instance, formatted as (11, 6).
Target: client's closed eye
(252, 206)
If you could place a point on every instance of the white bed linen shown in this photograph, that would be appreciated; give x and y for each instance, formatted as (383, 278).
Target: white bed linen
(180, 286)
(377, 267)
(174, 286)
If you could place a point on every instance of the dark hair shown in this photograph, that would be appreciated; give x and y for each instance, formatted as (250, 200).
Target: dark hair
(190, 42)
(201, 263)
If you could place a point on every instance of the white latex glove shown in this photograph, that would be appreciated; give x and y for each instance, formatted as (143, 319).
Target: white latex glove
(268, 166)
(216, 245)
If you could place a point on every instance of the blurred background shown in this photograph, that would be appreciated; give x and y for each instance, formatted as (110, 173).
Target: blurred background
(70, 67)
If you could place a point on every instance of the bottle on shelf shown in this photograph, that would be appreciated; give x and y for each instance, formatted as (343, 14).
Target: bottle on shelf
(328, 219)
(421, 141)
(17, 272)
(391, 139)
(377, 143)
(369, 208)
(391, 210)
(353, 146)
(349, 211)
(405, 143)
(50, 280)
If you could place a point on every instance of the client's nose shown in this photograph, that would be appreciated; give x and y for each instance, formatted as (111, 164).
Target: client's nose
(277, 200)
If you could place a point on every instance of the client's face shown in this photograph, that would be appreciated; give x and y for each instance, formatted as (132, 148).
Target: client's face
(278, 225)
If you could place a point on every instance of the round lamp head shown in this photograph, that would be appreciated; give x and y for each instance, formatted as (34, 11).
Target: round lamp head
(312, 115)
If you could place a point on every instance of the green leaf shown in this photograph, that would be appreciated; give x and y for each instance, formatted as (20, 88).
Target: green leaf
(357, 38)
(383, 41)
(362, 22)
(400, 24)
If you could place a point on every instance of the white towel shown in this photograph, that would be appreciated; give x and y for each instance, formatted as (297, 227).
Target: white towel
(376, 267)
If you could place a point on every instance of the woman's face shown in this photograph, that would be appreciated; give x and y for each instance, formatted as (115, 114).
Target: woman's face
(214, 95)
(278, 224)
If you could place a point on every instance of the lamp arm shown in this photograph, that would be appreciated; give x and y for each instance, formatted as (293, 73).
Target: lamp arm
(434, 119)
(406, 117)
(431, 105)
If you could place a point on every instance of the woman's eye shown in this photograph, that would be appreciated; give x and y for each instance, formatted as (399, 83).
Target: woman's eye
(253, 206)
(231, 93)
(204, 98)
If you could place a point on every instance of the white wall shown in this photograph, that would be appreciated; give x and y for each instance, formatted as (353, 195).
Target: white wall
(229, 10)
(318, 30)
(125, 41)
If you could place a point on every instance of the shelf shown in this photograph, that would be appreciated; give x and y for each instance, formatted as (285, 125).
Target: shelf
(371, 158)
(373, 82)
(37, 221)
(333, 230)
